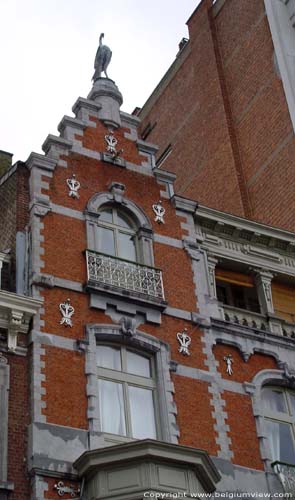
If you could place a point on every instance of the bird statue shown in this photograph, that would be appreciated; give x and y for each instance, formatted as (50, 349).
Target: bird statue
(102, 59)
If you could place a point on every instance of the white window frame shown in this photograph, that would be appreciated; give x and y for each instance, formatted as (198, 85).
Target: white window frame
(146, 345)
(117, 229)
(280, 417)
(142, 224)
(128, 379)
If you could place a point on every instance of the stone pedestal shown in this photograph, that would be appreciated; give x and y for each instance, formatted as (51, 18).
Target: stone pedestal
(106, 93)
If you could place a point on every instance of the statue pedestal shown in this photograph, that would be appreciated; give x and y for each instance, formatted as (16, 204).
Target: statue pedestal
(106, 93)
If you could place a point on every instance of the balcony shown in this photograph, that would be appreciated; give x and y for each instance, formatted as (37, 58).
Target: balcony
(121, 277)
(286, 474)
(257, 321)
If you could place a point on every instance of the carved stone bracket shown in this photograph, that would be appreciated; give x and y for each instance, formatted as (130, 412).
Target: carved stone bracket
(118, 191)
(128, 326)
(14, 327)
(3, 359)
(289, 374)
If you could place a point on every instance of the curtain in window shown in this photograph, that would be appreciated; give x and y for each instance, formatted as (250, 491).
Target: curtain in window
(111, 404)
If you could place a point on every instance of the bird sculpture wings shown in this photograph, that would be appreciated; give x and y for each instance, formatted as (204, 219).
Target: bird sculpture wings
(102, 59)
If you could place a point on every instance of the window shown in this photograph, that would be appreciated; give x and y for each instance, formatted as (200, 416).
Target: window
(237, 296)
(237, 290)
(279, 423)
(115, 234)
(126, 391)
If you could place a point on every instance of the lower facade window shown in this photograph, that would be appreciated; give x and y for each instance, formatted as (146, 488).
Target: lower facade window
(127, 392)
(279, 421)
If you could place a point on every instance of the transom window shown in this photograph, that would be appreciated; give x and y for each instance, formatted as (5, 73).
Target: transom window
(126, 388)
(115, 234)
(279, 414)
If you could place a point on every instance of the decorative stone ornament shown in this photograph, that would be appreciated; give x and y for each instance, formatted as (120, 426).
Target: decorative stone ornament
(184, 340)
(159, 210)
(73, 186)
(128, 326)
(67, 312)
(66, 490)
(111, 143)
(3, 359)
(229, 362)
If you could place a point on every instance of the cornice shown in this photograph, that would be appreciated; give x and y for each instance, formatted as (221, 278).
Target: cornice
(40, 161)
(241, 224)
(185, 204)
(59, 142)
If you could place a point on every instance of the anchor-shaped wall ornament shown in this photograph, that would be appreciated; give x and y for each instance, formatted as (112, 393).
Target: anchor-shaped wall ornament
(111, 143)
(73, 186)
(67, 312)
(159, 210)
(229, 362)
(184, 340)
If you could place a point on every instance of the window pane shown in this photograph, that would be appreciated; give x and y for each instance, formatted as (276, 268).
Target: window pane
(106, 215)
(281, 441)
(111, 406)
(123, 221)
(139, 365)
(106, 241)
(126, 247)
(108, 357)
(292, 399)
(274, 400)
(142, 413)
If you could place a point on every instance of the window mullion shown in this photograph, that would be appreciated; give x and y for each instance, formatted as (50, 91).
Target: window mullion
(127, 409)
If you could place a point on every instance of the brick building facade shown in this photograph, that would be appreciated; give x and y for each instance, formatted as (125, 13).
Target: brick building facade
(160, 358)
(223, 115)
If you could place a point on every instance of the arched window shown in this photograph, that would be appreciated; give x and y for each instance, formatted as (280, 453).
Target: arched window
(126, 392)
(115, 234)
(279, 422)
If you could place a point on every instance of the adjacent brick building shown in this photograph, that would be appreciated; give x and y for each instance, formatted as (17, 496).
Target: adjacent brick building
(161, 358)
(223, 115)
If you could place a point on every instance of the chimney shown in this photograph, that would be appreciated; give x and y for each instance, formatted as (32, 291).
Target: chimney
(5, 161)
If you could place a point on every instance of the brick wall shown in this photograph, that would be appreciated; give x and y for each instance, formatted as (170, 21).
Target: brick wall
(18, 420)
(223, 108)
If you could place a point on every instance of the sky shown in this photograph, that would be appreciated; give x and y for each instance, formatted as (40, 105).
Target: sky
(47, 50)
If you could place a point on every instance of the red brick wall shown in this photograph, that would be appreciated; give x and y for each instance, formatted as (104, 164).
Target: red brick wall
(245, 444)
(194, 414)
(242, 371)
(225, 113)
(64, 369)
(243, 435)
(18, 420)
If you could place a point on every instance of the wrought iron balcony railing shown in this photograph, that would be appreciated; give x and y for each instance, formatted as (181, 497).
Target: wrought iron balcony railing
(286, 474)
(106, 271)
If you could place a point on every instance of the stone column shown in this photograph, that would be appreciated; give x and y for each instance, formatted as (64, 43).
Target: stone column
(211, 262)
(263, 283)
(263, 280)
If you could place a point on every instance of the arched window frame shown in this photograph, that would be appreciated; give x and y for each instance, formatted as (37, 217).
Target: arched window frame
(285, 416)
(263, 379)
(116, 197)
(146, 345)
